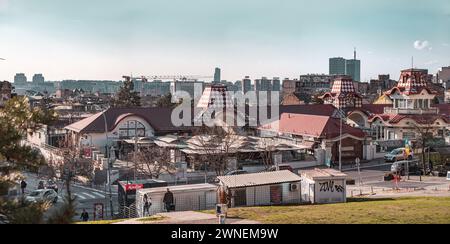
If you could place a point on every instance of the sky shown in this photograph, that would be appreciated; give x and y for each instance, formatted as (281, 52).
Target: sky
(106, 39)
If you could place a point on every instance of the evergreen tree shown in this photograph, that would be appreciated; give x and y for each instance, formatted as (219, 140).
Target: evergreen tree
(17, 119)
(126, 97)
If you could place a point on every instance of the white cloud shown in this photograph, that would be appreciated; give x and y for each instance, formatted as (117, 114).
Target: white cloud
(421, 45)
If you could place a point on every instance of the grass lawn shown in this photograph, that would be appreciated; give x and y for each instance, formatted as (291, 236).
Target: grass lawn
(152, 218)
(101, 222)
(108, 222)
(417, 210)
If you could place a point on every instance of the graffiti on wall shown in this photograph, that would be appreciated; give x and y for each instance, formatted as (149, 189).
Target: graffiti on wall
(331, 186)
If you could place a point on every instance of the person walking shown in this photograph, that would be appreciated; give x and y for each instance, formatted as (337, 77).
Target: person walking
(147, 204)
(84, 216)
(23, 185)
(168, 201)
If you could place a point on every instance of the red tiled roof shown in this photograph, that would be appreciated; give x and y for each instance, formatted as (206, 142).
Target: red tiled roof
(158, 118)
(314, 125)
(371, 109)
(420, 119)
(313, 109)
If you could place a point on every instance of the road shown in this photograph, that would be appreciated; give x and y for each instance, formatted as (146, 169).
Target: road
(370, 174)
(374, 176)
(85, 197)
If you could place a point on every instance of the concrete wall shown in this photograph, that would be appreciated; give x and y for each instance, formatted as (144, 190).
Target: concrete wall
(260, 195)
(201, 199)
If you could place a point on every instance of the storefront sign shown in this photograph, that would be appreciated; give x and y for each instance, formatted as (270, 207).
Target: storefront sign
(132, 187)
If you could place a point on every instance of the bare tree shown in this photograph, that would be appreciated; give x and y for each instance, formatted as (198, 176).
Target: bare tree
(216, 145)
(425, 134)
(268, 149)
(152, 161)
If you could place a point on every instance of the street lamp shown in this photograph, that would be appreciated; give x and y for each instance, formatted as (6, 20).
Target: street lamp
(341, 115)
(109, 165)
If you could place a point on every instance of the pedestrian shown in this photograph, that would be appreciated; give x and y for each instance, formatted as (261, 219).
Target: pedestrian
(41, 185)
(84, 216)
(147, 204)
(168, 201)
(23, 185)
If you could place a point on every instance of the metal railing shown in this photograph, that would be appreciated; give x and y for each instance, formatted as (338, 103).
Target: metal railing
(389, 110)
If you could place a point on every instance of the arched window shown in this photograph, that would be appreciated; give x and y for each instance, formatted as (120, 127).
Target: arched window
(130, 129)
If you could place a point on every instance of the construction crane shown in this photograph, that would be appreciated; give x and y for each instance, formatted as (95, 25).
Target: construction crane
(169, 77)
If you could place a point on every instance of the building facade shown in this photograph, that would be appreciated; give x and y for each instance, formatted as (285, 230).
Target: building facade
(337, 66)
(408, 112)
(6, 91)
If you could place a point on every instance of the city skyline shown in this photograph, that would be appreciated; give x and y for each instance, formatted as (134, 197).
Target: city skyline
(78, 41)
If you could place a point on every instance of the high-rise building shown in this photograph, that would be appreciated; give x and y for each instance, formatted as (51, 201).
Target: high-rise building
(217, 75)
(350, 67)
(276, 84)
(38, 78)
(444, 75)
(20, 78)
(263, 84)
(246, 84)
(353, 68)
(337, 66)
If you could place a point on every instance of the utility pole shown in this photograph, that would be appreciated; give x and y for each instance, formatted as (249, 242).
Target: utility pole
(358, 164)
(340, 140)
(135, 156)
(109, 166)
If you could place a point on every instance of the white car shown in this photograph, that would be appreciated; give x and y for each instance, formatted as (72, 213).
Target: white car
(43, 195)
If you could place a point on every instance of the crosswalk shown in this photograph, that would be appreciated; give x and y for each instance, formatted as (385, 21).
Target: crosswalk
(89, 195)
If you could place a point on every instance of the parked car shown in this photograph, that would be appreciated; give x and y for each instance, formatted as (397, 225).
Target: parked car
(396, 155)
(51, 184)
(402, 167)
(42, 195)
(281, 167)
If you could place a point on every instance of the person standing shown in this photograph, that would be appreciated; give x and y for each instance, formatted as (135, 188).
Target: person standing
(168, 201)
(147, 204)
(84, 216)
(23, 185)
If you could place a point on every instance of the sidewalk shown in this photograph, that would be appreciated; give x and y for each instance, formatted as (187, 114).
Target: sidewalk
(364, 164)
(188, 217)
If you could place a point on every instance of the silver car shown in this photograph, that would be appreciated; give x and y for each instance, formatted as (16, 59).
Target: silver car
(42, 195)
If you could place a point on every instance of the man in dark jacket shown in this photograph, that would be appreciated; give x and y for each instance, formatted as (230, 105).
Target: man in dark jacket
(168, 201)
(23, 185)
(84, 216)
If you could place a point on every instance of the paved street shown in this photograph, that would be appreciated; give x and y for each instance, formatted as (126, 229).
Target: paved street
(86, 197)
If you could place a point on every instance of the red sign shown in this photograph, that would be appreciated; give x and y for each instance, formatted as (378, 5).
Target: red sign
(87, 152)
(132, 187)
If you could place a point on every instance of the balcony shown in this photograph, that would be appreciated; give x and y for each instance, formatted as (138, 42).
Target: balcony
(389, 110)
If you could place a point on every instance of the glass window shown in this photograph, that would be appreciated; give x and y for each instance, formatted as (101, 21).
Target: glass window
(409, 135)
(131, 129)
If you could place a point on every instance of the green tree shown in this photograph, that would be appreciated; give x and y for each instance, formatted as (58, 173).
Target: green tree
(17, 119)
(126, 96)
